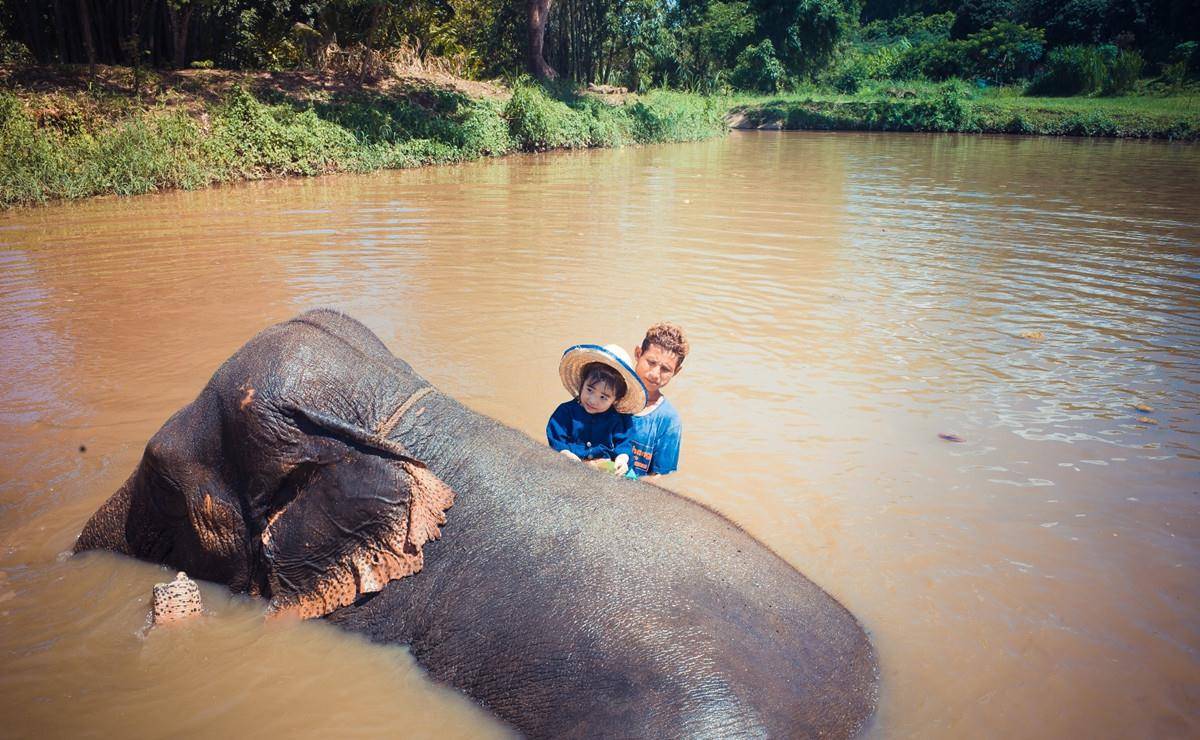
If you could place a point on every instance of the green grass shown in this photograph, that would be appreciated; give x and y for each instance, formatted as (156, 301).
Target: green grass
(909, 106)
(66, 150)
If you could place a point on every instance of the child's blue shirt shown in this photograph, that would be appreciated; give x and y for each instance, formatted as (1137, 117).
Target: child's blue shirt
(655, 440)
(589, 436)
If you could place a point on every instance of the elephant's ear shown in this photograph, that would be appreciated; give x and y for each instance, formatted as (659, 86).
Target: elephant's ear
(355, 519)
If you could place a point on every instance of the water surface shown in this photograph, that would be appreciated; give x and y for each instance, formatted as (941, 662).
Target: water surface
(849, 298)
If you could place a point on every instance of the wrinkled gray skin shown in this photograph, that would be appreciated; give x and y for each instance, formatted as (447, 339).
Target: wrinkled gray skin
(567, 602)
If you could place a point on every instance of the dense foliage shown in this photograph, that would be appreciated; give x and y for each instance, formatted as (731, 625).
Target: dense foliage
(1071, 47)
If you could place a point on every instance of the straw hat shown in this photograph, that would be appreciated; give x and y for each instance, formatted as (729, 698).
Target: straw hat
(576, 358)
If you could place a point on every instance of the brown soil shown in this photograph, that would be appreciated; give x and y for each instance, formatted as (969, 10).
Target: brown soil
(109, 91)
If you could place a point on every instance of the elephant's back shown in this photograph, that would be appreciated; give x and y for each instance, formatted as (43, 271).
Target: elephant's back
(747, 629)
(655, 615)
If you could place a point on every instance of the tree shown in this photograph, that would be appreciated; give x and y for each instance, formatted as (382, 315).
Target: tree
(538, 14)
(806, 33)
(973, 16)
(179, 17)
(720, 34)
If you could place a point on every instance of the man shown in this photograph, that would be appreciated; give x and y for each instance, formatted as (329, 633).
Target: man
(657, 429)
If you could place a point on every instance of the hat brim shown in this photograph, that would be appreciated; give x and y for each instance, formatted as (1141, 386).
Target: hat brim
(575, 359)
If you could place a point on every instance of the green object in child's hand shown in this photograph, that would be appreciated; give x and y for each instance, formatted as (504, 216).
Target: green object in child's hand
(608, 466)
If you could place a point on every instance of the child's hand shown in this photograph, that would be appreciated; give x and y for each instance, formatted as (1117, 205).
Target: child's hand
(570, 454)
(621, 465)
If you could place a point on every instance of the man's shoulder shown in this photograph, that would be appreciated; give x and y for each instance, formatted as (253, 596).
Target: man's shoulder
(664, 416)
(669, 412)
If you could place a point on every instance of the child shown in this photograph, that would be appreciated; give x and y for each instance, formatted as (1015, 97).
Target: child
(595, 425)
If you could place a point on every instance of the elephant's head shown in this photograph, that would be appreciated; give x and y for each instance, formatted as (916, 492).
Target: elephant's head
(276, 501)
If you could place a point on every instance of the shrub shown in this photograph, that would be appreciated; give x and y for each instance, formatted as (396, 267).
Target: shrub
(949, 109)
(759, 69)
(1188, 53)
(536, 121)
(1123, 73)
(14, 53)
(941, 60)
(484, 131)
(607, 125)
(1070, 70)
(29, 161)
(915, 29)
(1005, 51)
(256, 140)
(668, 116)
(1184, 58)
(847, 78)
(973, 16)
(128, 159)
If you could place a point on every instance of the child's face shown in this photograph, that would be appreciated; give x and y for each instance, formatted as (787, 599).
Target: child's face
(596, 396)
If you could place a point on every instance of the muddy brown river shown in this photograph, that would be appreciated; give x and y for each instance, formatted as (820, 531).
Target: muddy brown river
(849, 298)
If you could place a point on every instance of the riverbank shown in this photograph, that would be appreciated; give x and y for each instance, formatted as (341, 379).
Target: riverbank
(958, 107)
(67, 134)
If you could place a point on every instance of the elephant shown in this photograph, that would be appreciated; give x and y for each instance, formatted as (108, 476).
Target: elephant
(322, 473)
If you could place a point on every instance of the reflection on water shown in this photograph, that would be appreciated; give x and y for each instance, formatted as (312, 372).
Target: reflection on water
(848, 298)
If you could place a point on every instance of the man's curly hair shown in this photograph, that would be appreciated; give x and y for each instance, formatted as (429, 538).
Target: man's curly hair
(668, 336)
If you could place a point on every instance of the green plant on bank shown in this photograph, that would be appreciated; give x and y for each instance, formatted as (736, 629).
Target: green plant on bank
(537, 121)
(665, 115)
(254, 140)
(1183, 61)
(914, 29)
(921, 106)
(1070, 70)
(759, 69)
(1123, 73)
(244, 138)
(1005, 51)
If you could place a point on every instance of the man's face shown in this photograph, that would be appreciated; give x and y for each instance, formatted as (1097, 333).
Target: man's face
(655, 367)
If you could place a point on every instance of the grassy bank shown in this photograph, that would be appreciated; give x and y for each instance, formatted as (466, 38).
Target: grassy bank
(64, 139)
(67, 134)
(957, 107)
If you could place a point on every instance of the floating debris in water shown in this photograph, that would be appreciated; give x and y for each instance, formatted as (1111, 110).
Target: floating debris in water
(1142, 407)
(1048, 525)
(1034, 336)
(1146, 420)
(950, 437)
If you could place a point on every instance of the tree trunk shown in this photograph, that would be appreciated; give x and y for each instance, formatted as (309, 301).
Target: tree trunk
(60, 33)
(85, 28)
(373, 28)
(179, 20)
(539, 13)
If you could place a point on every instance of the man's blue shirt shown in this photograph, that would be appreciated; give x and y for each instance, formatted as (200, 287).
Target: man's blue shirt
(656, 438)
(572, 428)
